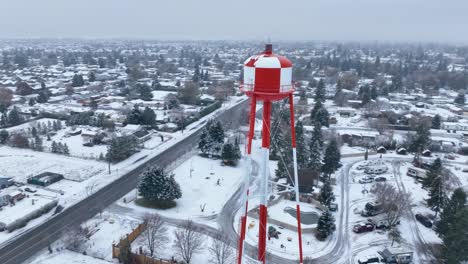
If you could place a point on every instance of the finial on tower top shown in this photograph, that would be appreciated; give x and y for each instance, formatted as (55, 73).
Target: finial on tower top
(268, 48)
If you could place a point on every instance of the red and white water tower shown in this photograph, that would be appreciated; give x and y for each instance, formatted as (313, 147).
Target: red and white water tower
(267, 78)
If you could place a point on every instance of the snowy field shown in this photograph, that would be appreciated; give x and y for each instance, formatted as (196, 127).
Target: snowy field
(23, 163)
(66, 256)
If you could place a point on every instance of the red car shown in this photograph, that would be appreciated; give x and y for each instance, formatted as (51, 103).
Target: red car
(363, 227)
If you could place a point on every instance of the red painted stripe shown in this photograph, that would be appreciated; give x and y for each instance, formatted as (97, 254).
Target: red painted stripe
(267, 80)
(285, 63)
(299, 231)
(262, 231)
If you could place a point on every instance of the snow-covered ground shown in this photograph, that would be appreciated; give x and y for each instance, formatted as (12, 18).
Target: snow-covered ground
(198, 178)
(22, 163)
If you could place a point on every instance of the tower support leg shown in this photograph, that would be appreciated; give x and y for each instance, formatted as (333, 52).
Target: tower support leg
(296, 177)
(243, 220)
(262, 232)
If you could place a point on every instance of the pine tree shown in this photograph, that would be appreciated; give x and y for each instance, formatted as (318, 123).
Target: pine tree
(315, 161)
(320, 92)
(148, 117)
(42, 97)
(460, 99)
(436, 122)
(331, 159)
(77, 80)
(437, 192)
(456, 239)
(34, 132)
(60, 148)
(65, 149)
(317, 135)
(421, 140)
(54, 147)
(326, 193)
(91, 76)
(228, 154)
(301, 149)
(135, 117)
(325, 225)
(145, 92)
(435, 170)
(38, 146)
(4, 135)
(14, 117)
(158, 186)
(456, 203)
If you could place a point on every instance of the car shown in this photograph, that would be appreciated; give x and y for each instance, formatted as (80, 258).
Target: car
(424, 220)
(363, 227)
(366, 180)
(333, 207)
(369, 259)
(88, 144)
(380, 179)
(31, 190)
(367, 213)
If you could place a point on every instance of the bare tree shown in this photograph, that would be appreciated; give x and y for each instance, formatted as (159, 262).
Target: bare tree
(155, 233)
(221, 250)
(76, 238)
(392, 201)
(188, 241)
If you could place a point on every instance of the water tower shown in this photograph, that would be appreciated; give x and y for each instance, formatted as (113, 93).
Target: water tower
(267, 78)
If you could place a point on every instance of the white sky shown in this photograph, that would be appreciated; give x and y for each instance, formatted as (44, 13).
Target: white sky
(367, 20)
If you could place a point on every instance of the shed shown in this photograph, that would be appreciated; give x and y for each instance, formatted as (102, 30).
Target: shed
(45, 178)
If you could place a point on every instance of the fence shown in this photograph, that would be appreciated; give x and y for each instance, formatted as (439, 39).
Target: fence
(138, 258)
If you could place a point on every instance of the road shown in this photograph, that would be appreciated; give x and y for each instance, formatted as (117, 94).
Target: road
(32, 241)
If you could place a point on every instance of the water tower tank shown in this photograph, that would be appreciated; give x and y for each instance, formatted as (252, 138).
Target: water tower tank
(268, 76)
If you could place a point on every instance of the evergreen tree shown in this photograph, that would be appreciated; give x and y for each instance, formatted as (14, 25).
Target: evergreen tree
(365, 94)
(38, 145)
(135, 117)
(229, 154)
(77, 80)
(325, 225)
(436, 183)
(320, 92)
(65, 149)
(91, 76)
(54, 147)
(31, 102)
(43, 97)
(373, 93)
(301, 146)
(456, 239)
(315, 161)
(456, 203)
(331, 159)
(326, 193)
(34, 132)
(436, 122)
(148, 117)
(121, 148)
(460, 99)
(4, 135)
(317, 135)
(158, 186)
(14, 118)
(145, 92)
(421, 140)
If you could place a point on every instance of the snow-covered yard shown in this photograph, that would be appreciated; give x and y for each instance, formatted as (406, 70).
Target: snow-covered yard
(204, 183)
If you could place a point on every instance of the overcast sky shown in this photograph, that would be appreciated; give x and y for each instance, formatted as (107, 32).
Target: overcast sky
(362, 20)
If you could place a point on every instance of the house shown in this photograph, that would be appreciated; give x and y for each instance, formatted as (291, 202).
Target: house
(396, 256)
(45, 178)
(88, 135)
(5, 182)
(457, 126)
(16, 196)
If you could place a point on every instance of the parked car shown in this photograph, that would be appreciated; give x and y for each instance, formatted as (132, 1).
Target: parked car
(380, 179)
(367, 213)
(366, 180)
(31, 190)
(369, 259)
(333, 207)
(363, 227)
(88, 144)
(424, 220)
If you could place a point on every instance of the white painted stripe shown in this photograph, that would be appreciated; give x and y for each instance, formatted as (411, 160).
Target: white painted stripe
(268, 62)
(249, 75)
(286, 79)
